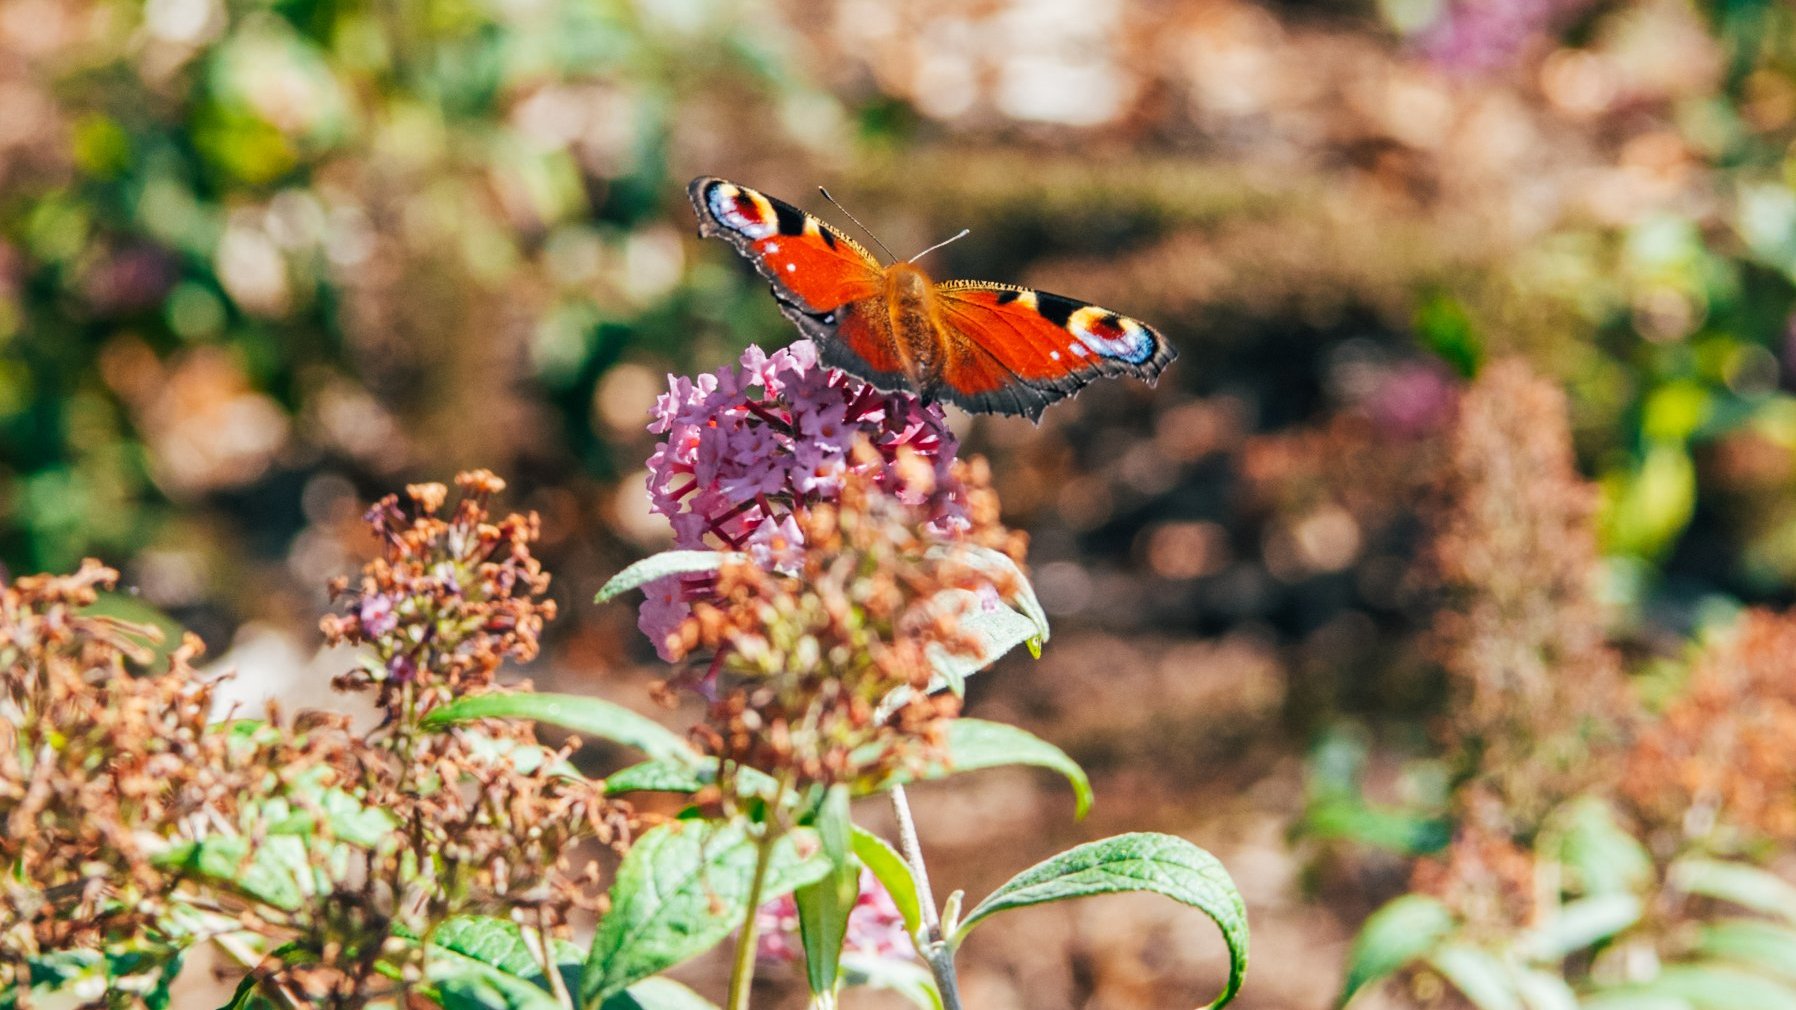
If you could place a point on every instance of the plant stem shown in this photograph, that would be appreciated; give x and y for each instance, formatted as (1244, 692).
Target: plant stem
(557, 984)
(742, 973)
(935, 949)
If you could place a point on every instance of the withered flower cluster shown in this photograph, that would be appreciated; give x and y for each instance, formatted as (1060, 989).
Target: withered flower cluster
(101, 762)
(1537, 694)
(130, 818)
(821, 651)
(1721, 758)
(450, 597)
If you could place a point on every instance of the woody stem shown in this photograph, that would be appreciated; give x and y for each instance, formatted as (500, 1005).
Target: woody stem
(935, 949)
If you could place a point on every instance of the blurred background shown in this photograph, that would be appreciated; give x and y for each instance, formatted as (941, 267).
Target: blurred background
(263, 260)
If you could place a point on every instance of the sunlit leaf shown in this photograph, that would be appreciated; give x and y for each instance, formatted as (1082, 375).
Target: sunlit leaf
(1155, 863)
(1581, 923)
(589, 717)
(1478, 975)
(1398, 934)
(660, 566)
(1738, 883)
(1710, 987)
(974, 744)
(682, 888)
(825, 904)
(893, 873)
(905, 977)
(657, 994)
(1602, 857)
(1751, 942)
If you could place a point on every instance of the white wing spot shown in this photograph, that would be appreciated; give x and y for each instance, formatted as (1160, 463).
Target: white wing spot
(773, 247)
(1079, 350)
(1054, 355)
(791, 268)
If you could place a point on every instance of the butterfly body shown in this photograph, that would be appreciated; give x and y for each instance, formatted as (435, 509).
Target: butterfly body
(990, 348)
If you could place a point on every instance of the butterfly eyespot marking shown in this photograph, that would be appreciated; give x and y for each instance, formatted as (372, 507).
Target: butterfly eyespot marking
(1109, 335)
(743, 211)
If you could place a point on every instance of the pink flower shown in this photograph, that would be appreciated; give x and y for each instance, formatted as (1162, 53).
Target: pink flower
(875, 927)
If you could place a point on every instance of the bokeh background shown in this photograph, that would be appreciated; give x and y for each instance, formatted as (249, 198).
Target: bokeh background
(263, 260)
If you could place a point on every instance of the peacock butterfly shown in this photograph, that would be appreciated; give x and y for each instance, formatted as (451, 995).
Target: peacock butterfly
(990, 348)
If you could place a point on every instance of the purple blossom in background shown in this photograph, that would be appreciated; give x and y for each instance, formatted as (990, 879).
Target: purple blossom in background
(744, 447)
(875, 927)
(1480, 36)
(1414, 398)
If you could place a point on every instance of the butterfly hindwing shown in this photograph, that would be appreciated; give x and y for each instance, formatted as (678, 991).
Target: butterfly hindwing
(813, 268)
(1014, 350)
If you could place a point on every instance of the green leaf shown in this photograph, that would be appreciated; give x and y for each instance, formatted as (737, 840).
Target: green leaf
(905, 977)
(1005, 569)
(1738, 883)
(1711, 987)
(475, 989)
(685, 777)
(979, 743)
(590, 717)
(1544, 990)
(824, 905)
(683, 887)
(497, 943)
(274, 872)
(1478, 976)
(1160, 864)
(659, 566)
(993, 632)
(997, 631)
(657, 994)
(1632, 998)
(658, 777)
(346, 818)
(1580, 924)
(1751, 942)
(1601, 856)
(1401, 932)
(893, 873)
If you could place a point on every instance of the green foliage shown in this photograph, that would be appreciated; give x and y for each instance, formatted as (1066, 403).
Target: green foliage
(1160, 864)
(683, 887)
(1572, 956)
(974, 744)
(593, 717)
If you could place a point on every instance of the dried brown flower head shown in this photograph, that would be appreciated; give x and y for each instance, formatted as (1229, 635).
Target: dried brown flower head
(101, 761)
(1723, 753)
(1536, 692)
(448, 600)
(810, 641)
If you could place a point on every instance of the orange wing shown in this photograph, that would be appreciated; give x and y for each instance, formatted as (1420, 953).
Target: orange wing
(1014, 350)
(813, 268)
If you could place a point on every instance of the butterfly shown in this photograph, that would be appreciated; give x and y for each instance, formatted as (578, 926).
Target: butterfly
(990, 348)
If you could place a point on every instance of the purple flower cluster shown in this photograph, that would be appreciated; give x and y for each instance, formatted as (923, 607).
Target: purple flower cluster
(1484, 36)
(745, 447)
(875, 927)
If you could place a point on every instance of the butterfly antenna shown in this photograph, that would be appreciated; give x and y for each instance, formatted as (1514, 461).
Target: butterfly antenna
(964, 232)
(858, 224)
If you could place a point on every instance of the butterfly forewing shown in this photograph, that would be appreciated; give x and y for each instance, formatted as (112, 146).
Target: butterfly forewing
(814, 269)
